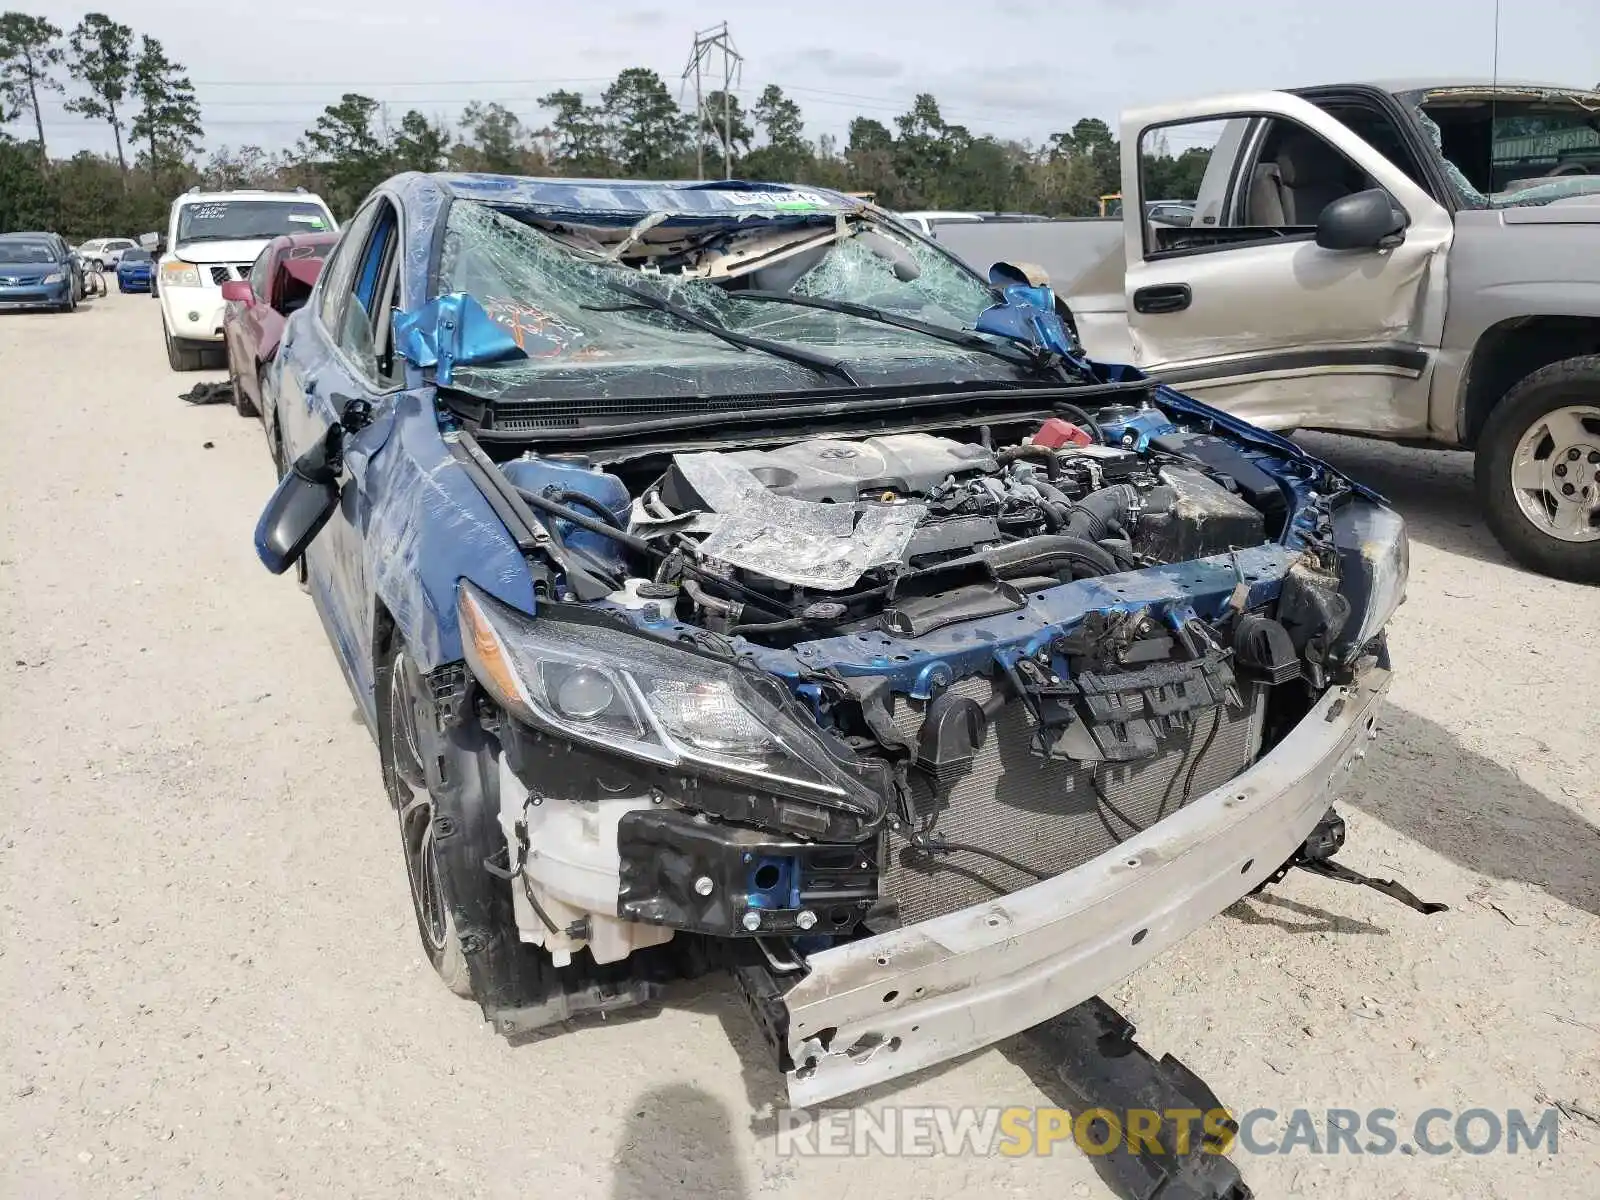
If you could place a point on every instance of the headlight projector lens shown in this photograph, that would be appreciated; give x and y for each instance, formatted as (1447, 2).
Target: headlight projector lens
(584, 694)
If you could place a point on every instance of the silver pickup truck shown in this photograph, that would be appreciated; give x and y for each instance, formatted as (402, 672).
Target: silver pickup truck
(1417, 262)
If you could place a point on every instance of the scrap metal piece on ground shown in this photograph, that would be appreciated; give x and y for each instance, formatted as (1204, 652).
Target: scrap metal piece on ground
(1316, 856)
(209, 393)
(1178, 1151)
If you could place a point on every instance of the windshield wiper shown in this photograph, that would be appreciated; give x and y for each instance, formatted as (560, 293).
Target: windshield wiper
(820, 363)
(955, 337)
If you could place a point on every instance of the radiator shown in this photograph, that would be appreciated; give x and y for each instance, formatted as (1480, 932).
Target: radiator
(1045, 813)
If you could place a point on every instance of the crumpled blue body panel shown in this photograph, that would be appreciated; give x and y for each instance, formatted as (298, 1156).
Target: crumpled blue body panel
(919, 667)
(449, 330)
(1026, 314)
(624, 201)
(429, 527)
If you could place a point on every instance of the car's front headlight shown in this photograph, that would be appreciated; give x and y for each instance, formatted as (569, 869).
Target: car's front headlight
(54, 277)
(1374, 564)
(180, 274)
(635, 696)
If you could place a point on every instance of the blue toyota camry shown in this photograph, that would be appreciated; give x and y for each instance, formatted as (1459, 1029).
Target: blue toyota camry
(728, 574)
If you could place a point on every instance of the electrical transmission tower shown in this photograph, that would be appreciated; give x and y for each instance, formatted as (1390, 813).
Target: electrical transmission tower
(708, 44)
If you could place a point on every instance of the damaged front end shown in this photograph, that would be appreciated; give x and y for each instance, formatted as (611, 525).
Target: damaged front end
(907, 713)
(929, 675)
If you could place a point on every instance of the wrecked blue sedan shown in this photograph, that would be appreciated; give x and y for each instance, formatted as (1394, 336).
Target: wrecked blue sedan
(729, 576)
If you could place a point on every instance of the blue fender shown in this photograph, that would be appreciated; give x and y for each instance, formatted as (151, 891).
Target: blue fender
(427, 528)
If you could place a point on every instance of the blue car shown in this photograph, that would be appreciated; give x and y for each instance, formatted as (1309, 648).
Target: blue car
(135, 270)
(729, 575)
(37, 271)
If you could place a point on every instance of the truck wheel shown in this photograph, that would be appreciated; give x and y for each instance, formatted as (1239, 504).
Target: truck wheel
(180, 355)
(406, 780)
(1538, 470)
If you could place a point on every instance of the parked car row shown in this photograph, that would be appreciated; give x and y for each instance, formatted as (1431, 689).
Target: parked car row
(723, 568)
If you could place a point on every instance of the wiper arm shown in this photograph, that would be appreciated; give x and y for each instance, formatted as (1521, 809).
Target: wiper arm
(955, 337)
(820, 363)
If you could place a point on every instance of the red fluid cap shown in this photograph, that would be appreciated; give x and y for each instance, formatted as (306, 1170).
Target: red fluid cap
(1057, 432)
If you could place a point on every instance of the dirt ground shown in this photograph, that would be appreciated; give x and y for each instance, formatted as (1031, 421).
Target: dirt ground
(210, 974)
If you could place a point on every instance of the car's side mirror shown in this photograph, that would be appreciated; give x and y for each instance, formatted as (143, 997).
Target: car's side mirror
(304, 500)
(238, 289)
(1365, 220)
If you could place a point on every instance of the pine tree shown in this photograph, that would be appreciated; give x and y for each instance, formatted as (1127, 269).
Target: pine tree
(28, 53)
(102, 61)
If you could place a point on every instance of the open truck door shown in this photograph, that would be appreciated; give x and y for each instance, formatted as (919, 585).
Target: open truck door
(1309, 288)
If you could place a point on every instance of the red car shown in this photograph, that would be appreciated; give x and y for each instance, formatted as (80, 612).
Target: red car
(280, 282)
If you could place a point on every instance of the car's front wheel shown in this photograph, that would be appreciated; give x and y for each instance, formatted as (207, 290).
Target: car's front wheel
(406, 780)
(242, 404)
(1538, 470)
(180, 355)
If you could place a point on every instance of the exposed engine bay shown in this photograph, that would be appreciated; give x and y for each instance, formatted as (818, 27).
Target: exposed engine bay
(912, 531)
(982, 657)
(826, 514)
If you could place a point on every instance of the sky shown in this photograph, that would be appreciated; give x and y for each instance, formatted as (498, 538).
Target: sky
(1023, 69)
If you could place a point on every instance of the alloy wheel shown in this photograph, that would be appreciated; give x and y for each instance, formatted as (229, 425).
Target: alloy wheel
(1555, 473)
(416, 810)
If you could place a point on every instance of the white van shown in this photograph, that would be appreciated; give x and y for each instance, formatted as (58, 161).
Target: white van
(212, 239)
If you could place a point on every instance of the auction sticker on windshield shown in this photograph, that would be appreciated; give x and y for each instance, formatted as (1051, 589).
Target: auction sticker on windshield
(791, 200)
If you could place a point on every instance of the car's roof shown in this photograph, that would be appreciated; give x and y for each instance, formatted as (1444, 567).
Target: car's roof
(246, 194)
(611, 200)
(1485, 83)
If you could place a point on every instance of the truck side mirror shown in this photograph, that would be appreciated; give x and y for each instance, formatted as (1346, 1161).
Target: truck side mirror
(1365, 220)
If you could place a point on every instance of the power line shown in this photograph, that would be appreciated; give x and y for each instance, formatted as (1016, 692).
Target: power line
(706, 43)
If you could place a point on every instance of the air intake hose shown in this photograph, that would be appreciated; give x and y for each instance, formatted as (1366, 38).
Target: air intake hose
(1104, 514)
(1056, 554)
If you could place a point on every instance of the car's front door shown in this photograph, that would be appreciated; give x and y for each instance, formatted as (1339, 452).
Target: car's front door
(1242, 307)
(339, 371)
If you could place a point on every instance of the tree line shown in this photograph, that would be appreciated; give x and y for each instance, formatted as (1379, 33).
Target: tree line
(634, 128)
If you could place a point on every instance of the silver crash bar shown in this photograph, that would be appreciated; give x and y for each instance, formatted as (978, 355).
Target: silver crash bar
(888, 1005)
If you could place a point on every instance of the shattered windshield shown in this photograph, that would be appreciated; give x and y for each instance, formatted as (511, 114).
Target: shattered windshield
(1517, 150)
(562, 289)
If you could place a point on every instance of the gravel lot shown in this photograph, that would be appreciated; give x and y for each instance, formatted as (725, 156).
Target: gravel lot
(210, 974)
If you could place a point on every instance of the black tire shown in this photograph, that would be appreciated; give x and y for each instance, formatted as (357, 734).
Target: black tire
(1569, 383)
(242, 404)
(181, 355)
(402, 712)
(463, 776)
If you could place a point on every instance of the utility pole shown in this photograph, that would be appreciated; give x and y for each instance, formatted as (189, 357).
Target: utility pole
(707, 44)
